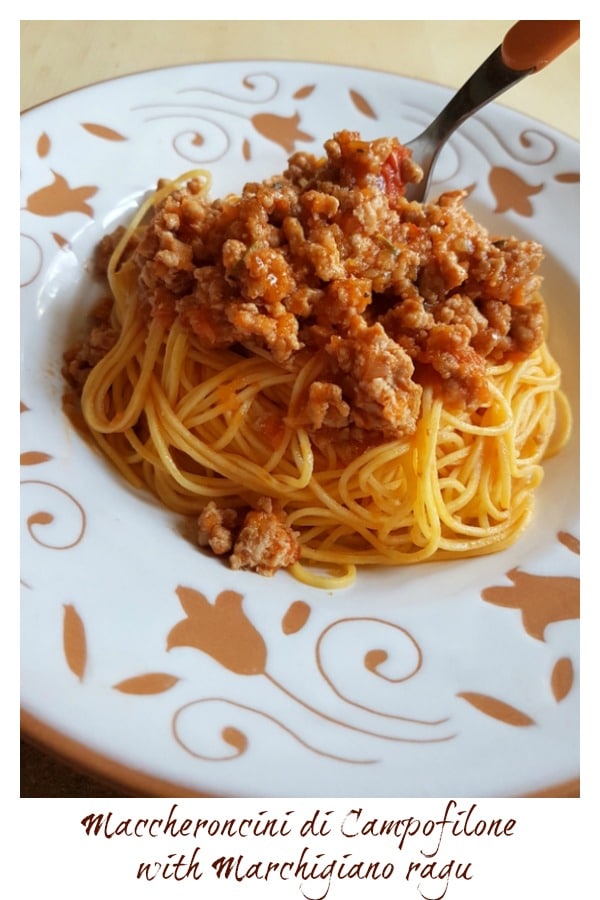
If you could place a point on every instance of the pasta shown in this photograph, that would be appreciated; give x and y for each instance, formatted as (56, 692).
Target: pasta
(324, 458)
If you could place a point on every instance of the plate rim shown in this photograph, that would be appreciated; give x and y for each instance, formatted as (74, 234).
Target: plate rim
(291, 62)
(45, 735)
(132, 781)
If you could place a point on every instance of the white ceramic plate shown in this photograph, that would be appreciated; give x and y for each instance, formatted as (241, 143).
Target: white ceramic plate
(443, 679)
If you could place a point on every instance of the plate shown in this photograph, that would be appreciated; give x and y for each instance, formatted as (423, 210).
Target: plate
(455, 678)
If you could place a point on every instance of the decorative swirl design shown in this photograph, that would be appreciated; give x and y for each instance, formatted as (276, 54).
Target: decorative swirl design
(182, 141)
(236, 739)
(265, 80)
(357, 729)
(374, 659)
(71, 515)
(185, 139)
(539, 148)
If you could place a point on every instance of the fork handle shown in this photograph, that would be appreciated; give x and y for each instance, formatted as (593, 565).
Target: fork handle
(532, 44)
(527, 47)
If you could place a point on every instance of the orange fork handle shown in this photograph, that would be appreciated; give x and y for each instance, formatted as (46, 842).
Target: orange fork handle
(531, 45)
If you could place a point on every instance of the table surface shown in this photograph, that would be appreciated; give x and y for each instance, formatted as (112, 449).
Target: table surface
(443, 52)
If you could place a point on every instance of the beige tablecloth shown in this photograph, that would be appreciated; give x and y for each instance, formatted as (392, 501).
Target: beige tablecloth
(59, 56)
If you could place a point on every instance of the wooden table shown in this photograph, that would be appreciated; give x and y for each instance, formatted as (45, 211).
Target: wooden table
(444, 52)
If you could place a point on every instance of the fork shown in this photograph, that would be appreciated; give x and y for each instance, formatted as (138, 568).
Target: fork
(527, 47)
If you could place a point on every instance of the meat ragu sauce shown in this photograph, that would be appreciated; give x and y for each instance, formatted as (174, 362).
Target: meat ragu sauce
(331, 259)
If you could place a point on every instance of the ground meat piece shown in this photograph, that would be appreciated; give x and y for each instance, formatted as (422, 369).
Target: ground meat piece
(378, 372)
(325, 406)
(204, 310)
(265, 543)
(316, 246)
(216, 528)
(268, 276)
(493, 340)
(461, 369)
(507, 271)
(171, 270)
(411, 315)
(165, 252)
(342, 301)
(81, 357)
(301, 168)
(527, 327)
(105, 249)
(460, 310)
(384, 163)
(257, 539)
(318, 205)
(278, 334)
